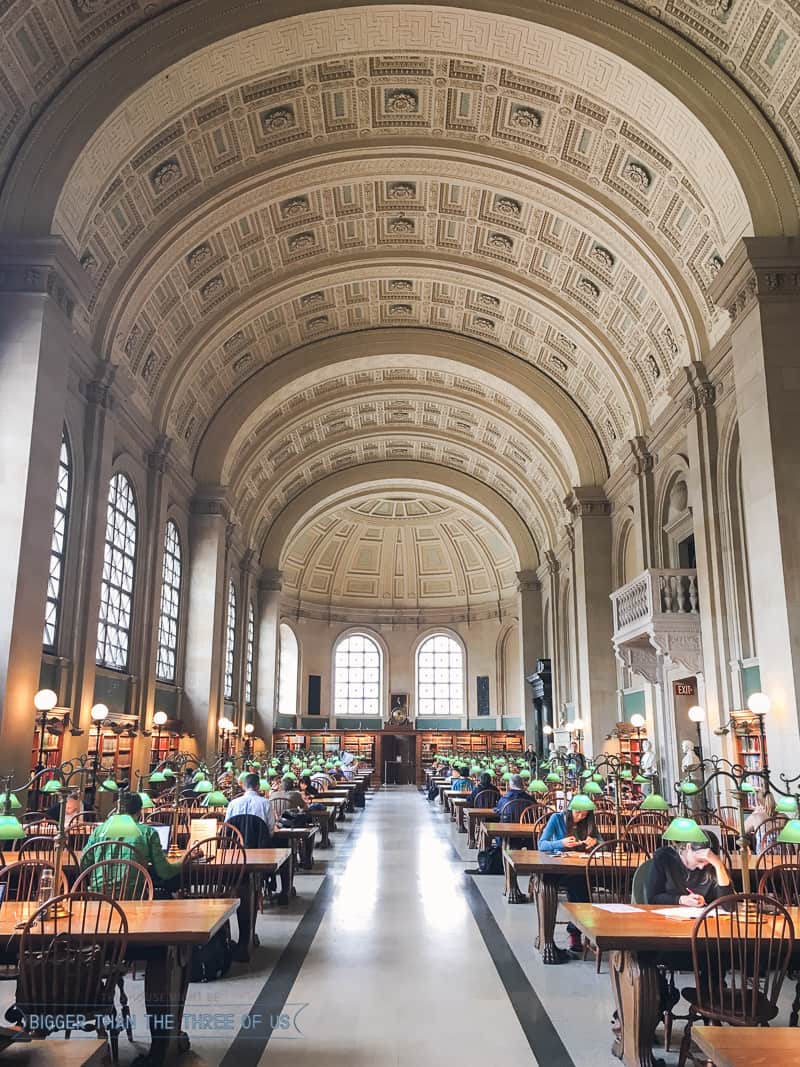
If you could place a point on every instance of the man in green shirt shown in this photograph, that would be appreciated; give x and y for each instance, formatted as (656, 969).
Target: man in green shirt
(145, 841)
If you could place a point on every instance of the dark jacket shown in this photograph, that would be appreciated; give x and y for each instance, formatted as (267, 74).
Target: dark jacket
(505, 800)
(669, 880)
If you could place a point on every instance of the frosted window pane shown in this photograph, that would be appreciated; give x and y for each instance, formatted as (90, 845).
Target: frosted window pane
(357, 676)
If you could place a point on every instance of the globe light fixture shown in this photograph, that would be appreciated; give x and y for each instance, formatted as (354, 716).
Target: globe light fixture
(637, 721)
(160, 719)
(45, 700)
(759, 703)
(99, 712)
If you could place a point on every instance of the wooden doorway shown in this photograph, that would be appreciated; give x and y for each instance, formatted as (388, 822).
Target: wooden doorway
(398, 759)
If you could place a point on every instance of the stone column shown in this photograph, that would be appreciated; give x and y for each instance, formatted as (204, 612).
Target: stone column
(248, 587)
(531, 642)
(268, 637)
(552, 572)
(642, 469)
(40, 284)
(205, 619)
(760, 287)
(597, 675)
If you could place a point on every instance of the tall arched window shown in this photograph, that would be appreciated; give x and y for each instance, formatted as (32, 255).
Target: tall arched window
(58, 547)
(251, 643)
(288, 665)
(171, 569)
(440, 676)
(357, 676)
(116, 590)
(230, 642)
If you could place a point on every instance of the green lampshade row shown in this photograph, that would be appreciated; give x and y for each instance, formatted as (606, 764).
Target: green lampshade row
(790, 834)
(11, 800)
(592, 788)
(11, 828)
(120, 826)
(538, 786)
(168, 773)
(688, 788)
(641, 780)
(53, 786)
(203, 786)
(655, 802)
(146, 799)
(158, 776)
(786, 806)
(685, 830)
(553, 777)
(109, 786)
(215, 799)
(580, 802)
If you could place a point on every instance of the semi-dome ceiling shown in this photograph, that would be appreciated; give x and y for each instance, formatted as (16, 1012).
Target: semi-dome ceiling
(383, 557)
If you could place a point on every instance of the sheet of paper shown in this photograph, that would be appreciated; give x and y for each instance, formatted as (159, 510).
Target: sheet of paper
(616, 907)
(679, 912)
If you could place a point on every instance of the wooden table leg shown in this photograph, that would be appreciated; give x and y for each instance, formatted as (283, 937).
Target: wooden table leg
(166, 981)
(470, 832)
(246, 916)
(546, 889)
(460, 820)
(324, 828)
(513, 895)
(634, 980)
(290, 889)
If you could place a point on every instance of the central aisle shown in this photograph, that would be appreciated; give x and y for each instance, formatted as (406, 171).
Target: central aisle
(398, 973)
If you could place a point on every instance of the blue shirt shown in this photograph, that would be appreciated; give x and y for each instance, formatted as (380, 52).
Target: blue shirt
(252, 803)
(552, 839)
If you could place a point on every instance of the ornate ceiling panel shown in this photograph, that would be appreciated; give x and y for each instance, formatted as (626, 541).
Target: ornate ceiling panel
(42, 43)
(398, 555)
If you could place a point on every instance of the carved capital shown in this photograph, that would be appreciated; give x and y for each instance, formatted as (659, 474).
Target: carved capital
(211, 501)
(552, 563)
(587, 501)
(759, 269)
(43, 266)
(643, 460)
(528, 582)
(249, 562)
(702, 392)
(158, 458)
(271, 582)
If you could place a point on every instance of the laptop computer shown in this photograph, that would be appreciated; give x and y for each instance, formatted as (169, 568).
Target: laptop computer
(164, 833)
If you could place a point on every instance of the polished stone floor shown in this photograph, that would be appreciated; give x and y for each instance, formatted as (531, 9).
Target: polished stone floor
(390, 956)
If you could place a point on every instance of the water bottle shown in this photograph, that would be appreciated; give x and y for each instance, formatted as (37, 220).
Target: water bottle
(45, 886)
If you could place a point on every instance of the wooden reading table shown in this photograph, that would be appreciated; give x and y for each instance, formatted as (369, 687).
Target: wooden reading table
(636, 940)
(457, 805)
(748, 1046)
(161, 933)
(474, 817)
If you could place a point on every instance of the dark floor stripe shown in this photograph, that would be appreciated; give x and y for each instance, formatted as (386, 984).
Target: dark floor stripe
(541, 1035)
(249, 1045)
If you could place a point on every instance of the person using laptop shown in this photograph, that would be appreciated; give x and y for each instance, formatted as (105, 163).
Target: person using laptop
(146, 843)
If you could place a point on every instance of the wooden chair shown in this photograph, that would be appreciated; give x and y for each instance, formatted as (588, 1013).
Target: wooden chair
(783, 883)
(487, 798)
(69, 966)
(279, 806)
(767, 833)
(609, 877)
(739, 963)
(107, 850)
(23, 877)
(606, 823)
(119, 879)
(645, 831)
(44, 848)
(80, 830)
(39, 825)
(213, 868)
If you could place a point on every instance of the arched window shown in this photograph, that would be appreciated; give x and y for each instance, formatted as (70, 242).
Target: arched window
(230, 642)
(251, 643)
(288, 665)
(171, 568)
(116, 589)
(58, 547)
(440, 676)
(357, 676)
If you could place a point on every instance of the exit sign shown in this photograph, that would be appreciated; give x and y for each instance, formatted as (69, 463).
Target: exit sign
(684, 689)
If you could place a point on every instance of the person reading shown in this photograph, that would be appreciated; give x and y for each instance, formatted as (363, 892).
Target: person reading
(573, 830)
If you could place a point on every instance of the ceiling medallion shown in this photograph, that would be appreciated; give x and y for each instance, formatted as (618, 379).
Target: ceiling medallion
(602, 256)
(301, 240)
(213, 285)
(298, 205)
(242, 362)
(318, 323)
(400, 285)
(587, 286)
(715, 264)
(400, 309)
(401, 191)
(506, 205)
(672, 344)
(133, 341)
(279, 118)
(559, 363)
(637, 174)
(655, 370)
(233, 341)
(565, 342)
(87, 7)
(501, 241)
(88, 262)
(484, 323)
(312, 299)
(401, 101)
(149, 367)
(488, 300)
(199, 255)
(526, 118)
(166, 174)
(401, 225)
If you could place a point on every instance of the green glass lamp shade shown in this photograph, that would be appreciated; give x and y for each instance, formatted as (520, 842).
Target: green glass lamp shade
(158, 776)
(265, 785)
(786, 806)
(286, 768)
(228, 765)
(146, 799)
(11, 828)
(688, 788)
(256, 765)
(215, 799)
(685, 830)
(167, 772)
(790, 834)
(553, 777)
(292, 777)
(641, 780)
(592, 788)
(580, 802)
(203, 786)
(747, 788)
(52, 786)
(587, 773)
(597, 778)
(10, 800)
(525, 774)
(626, 774)
(198, 776)
(118, 825)
(537, 786)
(655, 802)
(505, 776)
(109, 786)
(475, 770)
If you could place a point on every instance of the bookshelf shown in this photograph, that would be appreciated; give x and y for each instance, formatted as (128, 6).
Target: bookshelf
(748, 741)
(116, 755)
(163, 748)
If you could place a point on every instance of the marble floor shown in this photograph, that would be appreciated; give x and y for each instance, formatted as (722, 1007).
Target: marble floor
(390, 956)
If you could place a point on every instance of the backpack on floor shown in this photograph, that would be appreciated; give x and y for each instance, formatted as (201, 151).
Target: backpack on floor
(490, 860)
(212, 960)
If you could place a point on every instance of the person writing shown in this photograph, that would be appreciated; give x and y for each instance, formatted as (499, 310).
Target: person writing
(573, 830)
(688, 874)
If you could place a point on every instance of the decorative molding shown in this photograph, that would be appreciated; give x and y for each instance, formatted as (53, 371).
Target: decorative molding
(759, 269)
(587, 502)
(643, 460)
(44, 266)
(528, 582)
(551, 562)
(270, 581)
(211, 502)
(158, 458)
(702, 392)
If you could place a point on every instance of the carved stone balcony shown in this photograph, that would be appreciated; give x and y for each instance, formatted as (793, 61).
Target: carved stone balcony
(657, 623)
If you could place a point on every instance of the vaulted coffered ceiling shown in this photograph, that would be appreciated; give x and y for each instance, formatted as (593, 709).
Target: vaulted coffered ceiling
(442, 237)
